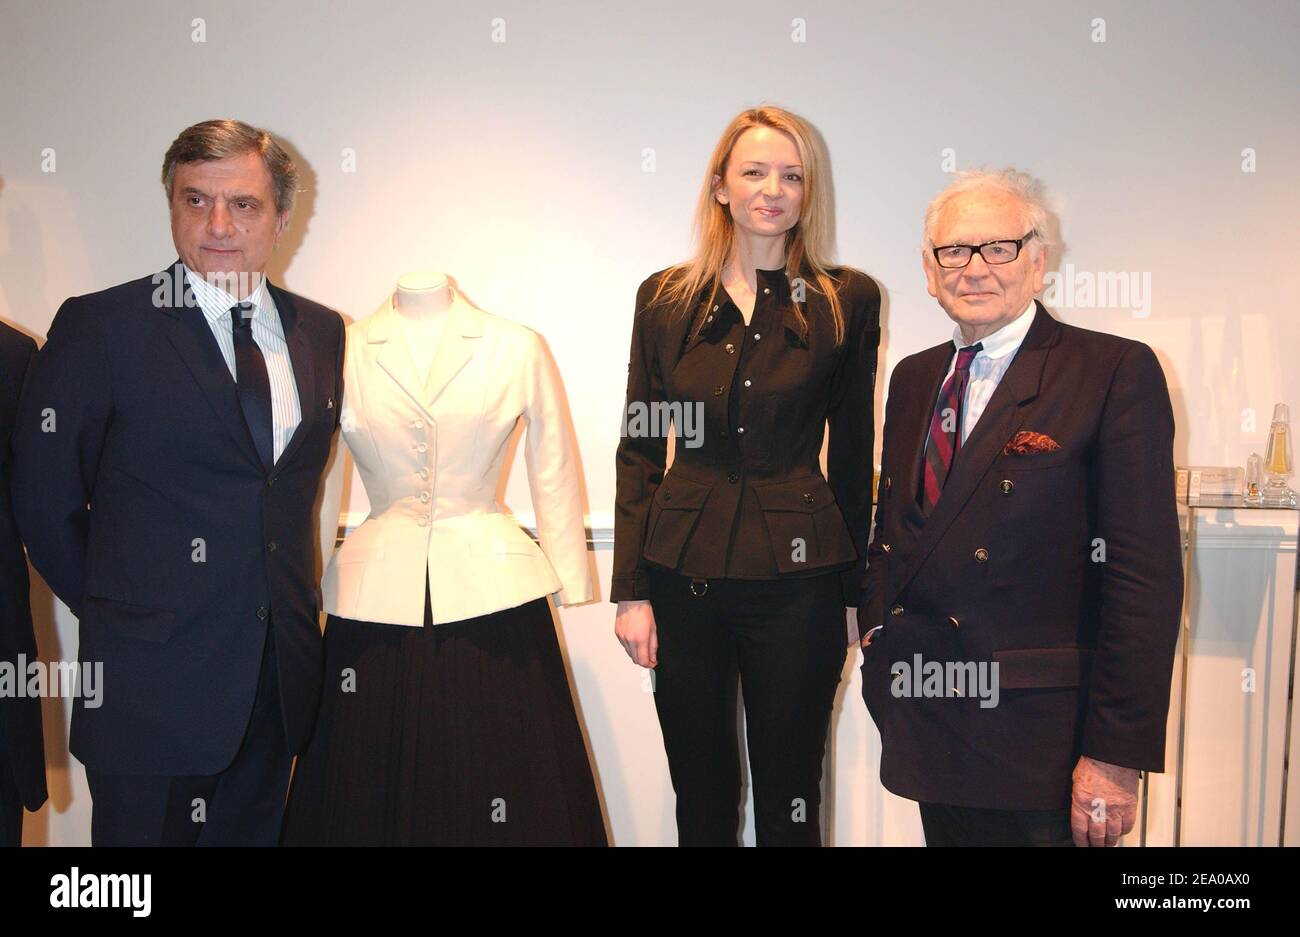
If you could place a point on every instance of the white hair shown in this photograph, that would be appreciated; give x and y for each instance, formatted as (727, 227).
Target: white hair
(1020, 186)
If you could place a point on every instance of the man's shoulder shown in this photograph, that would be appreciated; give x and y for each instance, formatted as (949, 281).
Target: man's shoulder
(13, 343)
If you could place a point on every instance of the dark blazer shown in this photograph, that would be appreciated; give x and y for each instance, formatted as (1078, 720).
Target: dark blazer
(1007, 569)
(22, 749)
(144, 505)
(749, 501)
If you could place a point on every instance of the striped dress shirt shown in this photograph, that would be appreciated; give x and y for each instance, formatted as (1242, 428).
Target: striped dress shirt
(268, 333)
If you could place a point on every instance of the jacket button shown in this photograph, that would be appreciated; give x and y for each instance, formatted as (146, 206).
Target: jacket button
(1007, 486)
(757, 336)
(271, 547)
(740, 430)
(896, 610)
(710, 318)
(733, 477)
(747, 383)
(717, 391)
(715, 308)
(887, 482)
(981, 555)
(955, 622)
(668, 496)
(262, 612)
(807, 497)
(731, 349)
(886, 547)
(766, 290)
(424, 496)
(422, 520)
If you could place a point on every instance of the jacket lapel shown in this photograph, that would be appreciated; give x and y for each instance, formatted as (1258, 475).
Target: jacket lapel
(300, 356)
(188, 331)
(997, 424)
(455, 347)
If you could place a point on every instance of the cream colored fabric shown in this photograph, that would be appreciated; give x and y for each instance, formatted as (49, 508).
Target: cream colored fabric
(431, 457)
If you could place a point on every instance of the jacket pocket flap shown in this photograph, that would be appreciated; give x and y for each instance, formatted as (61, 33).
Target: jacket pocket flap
(1034, 668)
(138, 621)
(806, 495)
(677, 491)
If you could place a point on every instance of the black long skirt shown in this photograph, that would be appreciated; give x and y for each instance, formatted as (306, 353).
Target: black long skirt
(456, 734)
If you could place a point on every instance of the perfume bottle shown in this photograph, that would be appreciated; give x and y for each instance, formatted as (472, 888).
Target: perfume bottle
(1254, 478)
(1278, 465)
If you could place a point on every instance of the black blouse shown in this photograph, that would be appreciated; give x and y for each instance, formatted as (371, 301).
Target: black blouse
(745, 497)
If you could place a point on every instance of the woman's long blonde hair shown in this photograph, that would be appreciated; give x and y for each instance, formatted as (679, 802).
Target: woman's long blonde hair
(806, 245)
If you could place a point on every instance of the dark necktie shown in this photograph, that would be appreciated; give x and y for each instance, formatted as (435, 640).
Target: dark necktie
(253, 385)
(945, 429)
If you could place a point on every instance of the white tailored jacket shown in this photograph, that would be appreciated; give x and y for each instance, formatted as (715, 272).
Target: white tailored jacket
(431, 457)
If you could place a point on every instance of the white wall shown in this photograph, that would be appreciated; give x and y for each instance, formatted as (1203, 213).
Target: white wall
(519, 167)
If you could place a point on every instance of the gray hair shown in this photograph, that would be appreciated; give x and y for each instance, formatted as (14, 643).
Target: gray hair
(1020, 186)
(217, 139)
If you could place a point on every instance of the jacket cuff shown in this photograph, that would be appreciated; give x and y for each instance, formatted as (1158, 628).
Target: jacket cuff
(629, 588)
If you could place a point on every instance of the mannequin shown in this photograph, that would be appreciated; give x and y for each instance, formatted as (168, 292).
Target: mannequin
(423, 300)
(446, 692)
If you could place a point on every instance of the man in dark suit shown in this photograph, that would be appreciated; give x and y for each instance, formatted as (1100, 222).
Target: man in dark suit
(168, 455)
(1024, 579)
(22, 750)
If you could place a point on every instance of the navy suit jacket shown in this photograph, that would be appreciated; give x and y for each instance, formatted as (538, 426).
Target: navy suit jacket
(1063, 568)
(22, 749)
(144, 505)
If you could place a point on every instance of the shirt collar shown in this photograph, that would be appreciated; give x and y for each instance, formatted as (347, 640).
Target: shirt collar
(718, 325)
(1005, 340)
(216, 302)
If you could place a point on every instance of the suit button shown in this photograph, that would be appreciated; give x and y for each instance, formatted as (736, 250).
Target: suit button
(740, 430)
(271, 547)
(747, 383)
(807, 497)
(668, 496)
(887, 482)
(886, 547)
(757, 336)
(733, 477)
(424, 496)
(424, 473)
(731, 349)
(766, 290)
(955, 622)
(262, 612)
(1007, 486)
(717, 391)
(896, 610)
(981, 555)
(715, 308)
(710, 318)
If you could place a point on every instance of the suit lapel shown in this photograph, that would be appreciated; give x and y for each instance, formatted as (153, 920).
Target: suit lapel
(455, 347)
(304, 374)
(187, 329)
(997, 424)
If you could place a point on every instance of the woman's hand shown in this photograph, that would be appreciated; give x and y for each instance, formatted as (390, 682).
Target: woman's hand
(634, 626)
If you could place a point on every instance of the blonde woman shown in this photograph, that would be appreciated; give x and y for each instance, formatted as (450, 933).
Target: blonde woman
(736, 566)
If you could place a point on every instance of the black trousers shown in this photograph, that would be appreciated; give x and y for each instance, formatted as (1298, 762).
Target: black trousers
(946, 825)
(241, 806)
(11, 802)
(784, 642)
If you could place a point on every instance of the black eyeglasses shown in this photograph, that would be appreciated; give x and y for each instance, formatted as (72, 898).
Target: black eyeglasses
(954, 256)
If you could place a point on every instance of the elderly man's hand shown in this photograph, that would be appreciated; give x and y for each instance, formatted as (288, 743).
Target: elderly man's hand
(1103, 806)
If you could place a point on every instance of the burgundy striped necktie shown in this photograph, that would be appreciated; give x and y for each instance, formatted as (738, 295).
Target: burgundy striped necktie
(945, 429)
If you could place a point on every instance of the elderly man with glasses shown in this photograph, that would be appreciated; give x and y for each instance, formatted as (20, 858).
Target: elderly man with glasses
(1024, 585)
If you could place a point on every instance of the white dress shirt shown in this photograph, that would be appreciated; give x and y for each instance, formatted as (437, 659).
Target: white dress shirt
(268, 333)
(987, 367)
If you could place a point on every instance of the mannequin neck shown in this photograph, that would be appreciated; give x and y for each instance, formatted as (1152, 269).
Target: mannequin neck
(423, 296)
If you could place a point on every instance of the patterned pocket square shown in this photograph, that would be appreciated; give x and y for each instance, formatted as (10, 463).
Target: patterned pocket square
(1027, 443)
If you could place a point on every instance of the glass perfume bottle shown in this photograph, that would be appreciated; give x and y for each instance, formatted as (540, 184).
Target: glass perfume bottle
(1278, 466)
(1254, 478)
